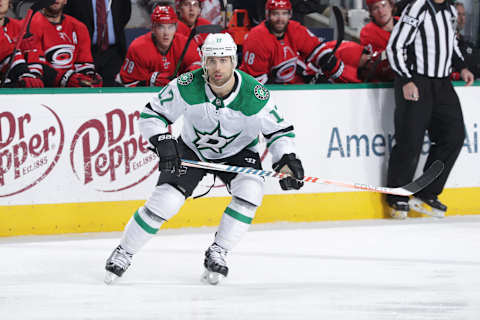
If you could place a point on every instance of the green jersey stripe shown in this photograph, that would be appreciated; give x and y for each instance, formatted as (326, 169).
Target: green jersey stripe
(253, 143)
(289, 135)
(144, 115)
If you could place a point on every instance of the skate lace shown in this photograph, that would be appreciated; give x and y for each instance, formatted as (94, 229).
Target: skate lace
(217, 254)
(121, 258)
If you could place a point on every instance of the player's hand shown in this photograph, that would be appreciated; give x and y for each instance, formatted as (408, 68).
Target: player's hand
(77, 79)
(328, 63)
(159, 79)
(96, 80)
(28, 80)
(455, 76)
(467, 76)
(291, 165)
(166, 147)
(410, 92)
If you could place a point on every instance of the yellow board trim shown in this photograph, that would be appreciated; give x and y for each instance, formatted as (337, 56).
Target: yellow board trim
(113, 216)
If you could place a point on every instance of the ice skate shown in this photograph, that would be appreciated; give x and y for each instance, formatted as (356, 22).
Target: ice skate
(215, 265)
(117, 264)
(430, 207)
(399, 209)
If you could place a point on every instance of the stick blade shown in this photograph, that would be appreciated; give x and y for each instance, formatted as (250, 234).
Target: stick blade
(426, 178)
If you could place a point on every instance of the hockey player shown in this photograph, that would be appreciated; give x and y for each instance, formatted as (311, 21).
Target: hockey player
(66, 45)
(470, 53)
(152, 58)
(23, 69)
(359, 63)
(224, 111)
(280, 50)
(189, 16)
(376, 33)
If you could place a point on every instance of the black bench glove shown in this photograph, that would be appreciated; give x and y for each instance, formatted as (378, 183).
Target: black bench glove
(328, 63)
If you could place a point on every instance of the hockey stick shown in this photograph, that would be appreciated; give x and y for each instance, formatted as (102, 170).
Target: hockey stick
(340, 27)
(24, 33)
(206, 28)
(340, 35)
(413, 187)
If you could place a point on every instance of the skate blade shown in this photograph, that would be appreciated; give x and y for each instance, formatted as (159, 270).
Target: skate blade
(418, 205)
(398, 215)
(109, 278)
(211, 278)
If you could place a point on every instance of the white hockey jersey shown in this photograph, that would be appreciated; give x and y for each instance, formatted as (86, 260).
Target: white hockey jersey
(216, 128)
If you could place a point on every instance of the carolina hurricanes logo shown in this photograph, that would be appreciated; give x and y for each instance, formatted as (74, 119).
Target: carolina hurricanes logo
(285, 71)
(60, 56)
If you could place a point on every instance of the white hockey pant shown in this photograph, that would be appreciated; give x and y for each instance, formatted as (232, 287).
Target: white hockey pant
(247, 194)
(164, 203)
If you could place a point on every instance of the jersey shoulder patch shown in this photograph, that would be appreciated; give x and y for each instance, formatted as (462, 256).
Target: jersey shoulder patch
(261, 92)
(252, 97)
(185, 79)
(191, 86)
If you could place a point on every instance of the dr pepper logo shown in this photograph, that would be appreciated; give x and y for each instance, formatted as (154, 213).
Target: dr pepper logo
(31, 141)
(109, 154)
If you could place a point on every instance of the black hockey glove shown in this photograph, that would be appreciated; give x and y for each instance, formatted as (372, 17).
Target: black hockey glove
(294, 166)
(166, 147)
(328, 63)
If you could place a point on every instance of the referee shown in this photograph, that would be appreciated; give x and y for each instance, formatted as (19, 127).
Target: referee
(422, 50)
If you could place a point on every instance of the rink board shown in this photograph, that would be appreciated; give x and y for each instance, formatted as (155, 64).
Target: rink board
(113, 216)
(74, 161)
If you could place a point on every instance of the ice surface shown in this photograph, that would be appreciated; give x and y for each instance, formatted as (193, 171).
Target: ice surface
(375, 270)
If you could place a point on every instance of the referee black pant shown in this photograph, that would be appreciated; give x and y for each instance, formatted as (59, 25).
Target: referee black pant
(439, 112)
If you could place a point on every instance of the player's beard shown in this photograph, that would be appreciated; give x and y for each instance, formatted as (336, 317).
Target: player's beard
(278, 28)
(53, 12)
(220, 83)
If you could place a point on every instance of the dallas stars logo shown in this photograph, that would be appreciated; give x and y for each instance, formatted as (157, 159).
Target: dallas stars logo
(214, 140)
(185, 79)
(261, 92)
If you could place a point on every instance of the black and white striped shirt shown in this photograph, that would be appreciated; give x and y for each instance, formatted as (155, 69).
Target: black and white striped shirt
(424, 42)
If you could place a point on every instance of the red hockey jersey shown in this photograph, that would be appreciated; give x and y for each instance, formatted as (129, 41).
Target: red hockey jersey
(374, 36)
(145, 66)
(183, 29)
(376, 39)
(283, 60)
(8, 36)
(349, 53)
(66, 45)
(31, 55)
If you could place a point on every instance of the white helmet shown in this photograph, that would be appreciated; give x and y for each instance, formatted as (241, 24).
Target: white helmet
(219, 45)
